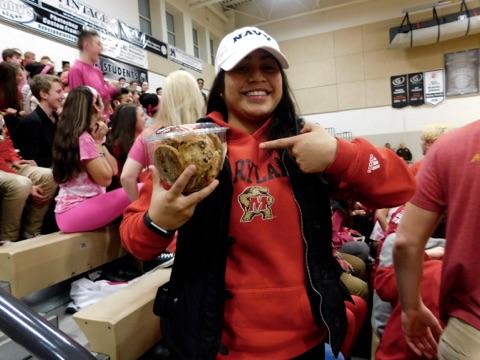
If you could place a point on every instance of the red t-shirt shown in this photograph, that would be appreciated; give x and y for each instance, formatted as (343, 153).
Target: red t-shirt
(449, 179)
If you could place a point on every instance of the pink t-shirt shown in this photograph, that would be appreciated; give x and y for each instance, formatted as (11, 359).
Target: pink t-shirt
(81, 186)
(449, 179)
(137, 151)
(83, 74)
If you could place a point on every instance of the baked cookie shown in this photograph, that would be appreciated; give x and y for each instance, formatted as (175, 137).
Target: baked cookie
(203, 151)
(168, 162)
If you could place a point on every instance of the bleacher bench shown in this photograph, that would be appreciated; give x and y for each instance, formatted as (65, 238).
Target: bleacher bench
(37, 263)
(122, 325)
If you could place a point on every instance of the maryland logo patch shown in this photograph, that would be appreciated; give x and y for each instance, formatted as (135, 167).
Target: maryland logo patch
(256, 201)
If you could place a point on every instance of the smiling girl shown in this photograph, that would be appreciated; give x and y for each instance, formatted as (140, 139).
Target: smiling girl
(254, 275)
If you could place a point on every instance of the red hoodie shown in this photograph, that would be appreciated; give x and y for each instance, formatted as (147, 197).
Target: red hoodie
(269, 315)
(392, 344)
(7, 153)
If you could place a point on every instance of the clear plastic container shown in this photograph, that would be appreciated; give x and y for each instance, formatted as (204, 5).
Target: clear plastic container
(173, 148)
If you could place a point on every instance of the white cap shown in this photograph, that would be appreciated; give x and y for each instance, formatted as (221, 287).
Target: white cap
(241, 42)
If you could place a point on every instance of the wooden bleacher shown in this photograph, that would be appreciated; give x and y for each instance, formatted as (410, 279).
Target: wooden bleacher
(37, 263)
(123, 325)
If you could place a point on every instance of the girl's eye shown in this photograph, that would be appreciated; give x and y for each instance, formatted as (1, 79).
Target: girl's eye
(241, 69)
(270, 67)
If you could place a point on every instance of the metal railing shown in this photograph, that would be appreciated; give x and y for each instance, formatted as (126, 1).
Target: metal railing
(35, 334)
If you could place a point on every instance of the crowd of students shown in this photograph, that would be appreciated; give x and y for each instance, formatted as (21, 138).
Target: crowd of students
(276, 279)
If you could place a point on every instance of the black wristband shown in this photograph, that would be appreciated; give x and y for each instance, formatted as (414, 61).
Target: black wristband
(156, 228)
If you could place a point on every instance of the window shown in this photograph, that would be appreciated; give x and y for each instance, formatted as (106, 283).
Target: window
(212, 53)
(144, 15)
(171, 29)
(196, 51)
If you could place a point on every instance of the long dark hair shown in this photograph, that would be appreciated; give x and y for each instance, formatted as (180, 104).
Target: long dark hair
(75, 119)
(284, 117)
(124, 123)
(9, 95)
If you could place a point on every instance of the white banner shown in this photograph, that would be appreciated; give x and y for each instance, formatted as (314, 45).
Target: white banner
(434, 87)
(124, 51)
(79, 10)
(181, 57)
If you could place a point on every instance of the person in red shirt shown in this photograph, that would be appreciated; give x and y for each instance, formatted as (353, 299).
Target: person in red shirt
(254, 276)
(449, 180)
(23, 187)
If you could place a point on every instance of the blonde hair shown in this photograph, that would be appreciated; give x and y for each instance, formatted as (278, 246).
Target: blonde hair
(432, 132)
(182, 101)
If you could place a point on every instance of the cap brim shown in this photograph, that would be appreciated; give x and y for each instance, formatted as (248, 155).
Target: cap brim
(233, 60)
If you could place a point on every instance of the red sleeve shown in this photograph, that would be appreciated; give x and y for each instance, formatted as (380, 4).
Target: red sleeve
(139, 240)
(376, 177)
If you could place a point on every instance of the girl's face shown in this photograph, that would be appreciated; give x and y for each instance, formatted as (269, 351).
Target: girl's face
(97, 110)
(253, 90)
(141, 119)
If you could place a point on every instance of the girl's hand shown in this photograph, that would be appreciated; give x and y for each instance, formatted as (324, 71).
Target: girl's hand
(170, 209)
(314, 149)
(99, 131)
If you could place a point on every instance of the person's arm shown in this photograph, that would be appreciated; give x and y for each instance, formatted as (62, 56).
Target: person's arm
(110, 159)
(100, 165)
(129, 177)
(168, 209)
(420, 326)
(375, 177)
(99, 168)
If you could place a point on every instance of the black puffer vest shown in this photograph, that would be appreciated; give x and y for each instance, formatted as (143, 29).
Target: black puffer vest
(191, 304)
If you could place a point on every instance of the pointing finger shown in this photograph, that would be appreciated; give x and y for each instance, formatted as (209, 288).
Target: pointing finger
(280, 143)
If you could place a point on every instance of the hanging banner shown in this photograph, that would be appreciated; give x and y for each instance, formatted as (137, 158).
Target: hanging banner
(80, 11)
(115, 69)
(140, 39)
(38, 19)
(156, 46)
(461, 72)
(123, 51)
(182, 58)
(108, 28)
(434, 87)
(59, 24)
(398, 86)
(132, 35)
(415, 89)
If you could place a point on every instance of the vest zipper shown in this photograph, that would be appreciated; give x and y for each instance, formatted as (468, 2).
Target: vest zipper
(306, 254)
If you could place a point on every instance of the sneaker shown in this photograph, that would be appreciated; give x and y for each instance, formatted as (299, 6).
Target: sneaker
(165, 259)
